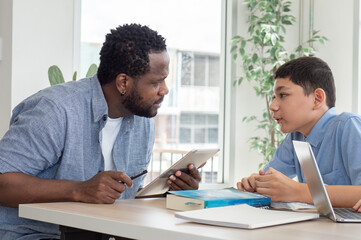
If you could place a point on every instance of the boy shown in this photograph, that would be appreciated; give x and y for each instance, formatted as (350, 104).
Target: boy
(303, 106)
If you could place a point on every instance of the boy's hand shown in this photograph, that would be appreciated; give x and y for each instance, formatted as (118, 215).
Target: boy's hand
(280, 187)
(184, 181)
(248, 184)
(357, 206)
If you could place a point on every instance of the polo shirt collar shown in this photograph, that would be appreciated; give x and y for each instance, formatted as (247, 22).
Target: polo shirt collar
(318, 131)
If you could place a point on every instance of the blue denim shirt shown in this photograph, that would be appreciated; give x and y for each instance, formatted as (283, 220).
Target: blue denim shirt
(336, 143)
(55, 133)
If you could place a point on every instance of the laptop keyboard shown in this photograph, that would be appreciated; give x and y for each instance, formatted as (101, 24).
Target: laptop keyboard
(347, 213)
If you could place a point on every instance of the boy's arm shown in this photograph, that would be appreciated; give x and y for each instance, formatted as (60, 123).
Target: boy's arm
(23, 188)
(344, 195)
(281, 188)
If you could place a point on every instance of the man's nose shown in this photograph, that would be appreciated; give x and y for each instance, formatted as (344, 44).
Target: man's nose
(163, 89)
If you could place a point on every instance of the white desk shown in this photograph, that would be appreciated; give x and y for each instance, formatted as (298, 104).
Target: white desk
(149, 219)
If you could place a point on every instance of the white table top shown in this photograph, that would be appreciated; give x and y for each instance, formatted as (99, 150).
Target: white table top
(149, 219)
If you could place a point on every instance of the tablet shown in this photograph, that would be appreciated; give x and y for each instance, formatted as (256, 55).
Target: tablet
(159, 185)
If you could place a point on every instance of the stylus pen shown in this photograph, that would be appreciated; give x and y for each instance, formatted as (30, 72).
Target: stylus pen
(136, 176)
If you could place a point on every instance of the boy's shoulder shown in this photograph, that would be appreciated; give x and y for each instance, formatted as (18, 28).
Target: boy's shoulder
(344, 116)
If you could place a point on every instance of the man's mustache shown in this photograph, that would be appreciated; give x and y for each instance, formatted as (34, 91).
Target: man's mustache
(160, 100)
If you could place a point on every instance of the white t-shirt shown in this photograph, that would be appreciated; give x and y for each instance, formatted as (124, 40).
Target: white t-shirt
(109, 134)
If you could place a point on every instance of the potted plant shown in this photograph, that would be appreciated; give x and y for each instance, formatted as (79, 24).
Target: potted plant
(261, 53)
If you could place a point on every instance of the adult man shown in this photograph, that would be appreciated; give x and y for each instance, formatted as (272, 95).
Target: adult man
(80, 141)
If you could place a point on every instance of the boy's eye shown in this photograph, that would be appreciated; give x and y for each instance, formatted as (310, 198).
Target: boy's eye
(273, 97)
(282, 95)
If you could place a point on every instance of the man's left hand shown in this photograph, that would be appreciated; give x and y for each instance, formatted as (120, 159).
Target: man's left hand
(185, 181)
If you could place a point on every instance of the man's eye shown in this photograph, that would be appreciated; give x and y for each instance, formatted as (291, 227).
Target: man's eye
(273, 97)
(283, 95)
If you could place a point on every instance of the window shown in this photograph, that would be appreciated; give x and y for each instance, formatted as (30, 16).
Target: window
(198, 128)
(199, 69)
(189, 115)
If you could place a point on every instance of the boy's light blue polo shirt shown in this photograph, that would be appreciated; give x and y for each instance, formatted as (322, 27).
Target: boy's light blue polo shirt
(336, 144)
(55, 134)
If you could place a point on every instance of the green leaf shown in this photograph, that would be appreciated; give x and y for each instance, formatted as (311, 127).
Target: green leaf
(254, 57)
(241, 51)
(92, 70)
(235, 56)
(234, 83)
(55, 75)
(274, 39)
(74, 76)
(243, 43)
(267, 37)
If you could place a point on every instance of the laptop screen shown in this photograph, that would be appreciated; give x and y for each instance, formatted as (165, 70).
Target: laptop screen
(313, 178)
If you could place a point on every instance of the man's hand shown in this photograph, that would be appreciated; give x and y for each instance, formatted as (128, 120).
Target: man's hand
(280, 187)
(183, 181)
(105, 187)
(248, 184)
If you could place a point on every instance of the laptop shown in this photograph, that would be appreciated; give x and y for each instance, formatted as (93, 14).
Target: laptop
(317, 188)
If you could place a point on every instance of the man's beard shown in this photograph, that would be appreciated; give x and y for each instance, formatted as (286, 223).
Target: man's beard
(134, 104)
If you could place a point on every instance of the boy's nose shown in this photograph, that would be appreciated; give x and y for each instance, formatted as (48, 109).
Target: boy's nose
(274, 106)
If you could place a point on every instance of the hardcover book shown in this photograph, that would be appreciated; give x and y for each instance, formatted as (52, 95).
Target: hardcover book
(209, 198)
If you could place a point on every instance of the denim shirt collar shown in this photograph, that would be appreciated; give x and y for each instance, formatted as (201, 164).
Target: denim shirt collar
(100, 106)
(318, 131)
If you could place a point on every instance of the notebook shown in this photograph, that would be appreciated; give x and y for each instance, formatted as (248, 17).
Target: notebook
(244, 216)
(317, 188)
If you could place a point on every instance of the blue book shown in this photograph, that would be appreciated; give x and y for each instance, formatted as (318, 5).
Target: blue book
(209, 198)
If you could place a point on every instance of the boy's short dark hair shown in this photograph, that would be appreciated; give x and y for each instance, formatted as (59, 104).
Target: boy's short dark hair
(310, 73)
(126, 50)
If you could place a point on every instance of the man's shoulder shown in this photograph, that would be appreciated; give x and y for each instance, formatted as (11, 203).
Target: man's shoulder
(64, 94)
(69, 90)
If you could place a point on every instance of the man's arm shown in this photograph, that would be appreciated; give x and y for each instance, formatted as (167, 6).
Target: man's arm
(23, 188)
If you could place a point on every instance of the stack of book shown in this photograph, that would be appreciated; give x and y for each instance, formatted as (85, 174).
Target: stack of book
(209, 198)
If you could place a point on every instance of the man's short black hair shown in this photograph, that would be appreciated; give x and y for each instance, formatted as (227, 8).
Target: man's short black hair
(126, 50)
(310, 73)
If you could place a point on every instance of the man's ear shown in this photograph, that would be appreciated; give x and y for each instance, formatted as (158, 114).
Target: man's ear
(121, 82)
(319, 98)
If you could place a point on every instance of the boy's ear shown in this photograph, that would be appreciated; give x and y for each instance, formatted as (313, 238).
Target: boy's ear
(319, 98)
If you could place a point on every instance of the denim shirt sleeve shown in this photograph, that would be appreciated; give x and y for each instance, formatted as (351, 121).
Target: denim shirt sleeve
(284, 159)
(351, 149)
(35, 140)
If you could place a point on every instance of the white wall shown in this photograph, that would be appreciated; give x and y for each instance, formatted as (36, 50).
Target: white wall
(336, 21)
(37, 35)
(5, 63)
